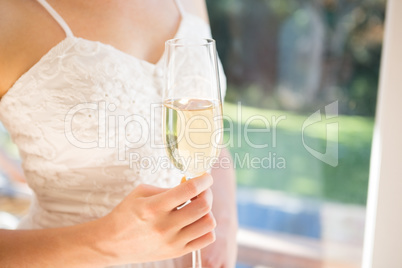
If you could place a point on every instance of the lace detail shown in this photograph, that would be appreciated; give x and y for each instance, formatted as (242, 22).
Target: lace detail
(66, 115)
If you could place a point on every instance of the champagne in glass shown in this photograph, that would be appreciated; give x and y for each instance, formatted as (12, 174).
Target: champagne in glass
(192, 108)
(193, 133)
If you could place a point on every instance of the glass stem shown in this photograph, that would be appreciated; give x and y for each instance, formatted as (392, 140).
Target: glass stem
(197, 259)
(196, 254)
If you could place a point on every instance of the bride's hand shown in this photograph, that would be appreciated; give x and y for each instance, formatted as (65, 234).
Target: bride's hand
(146, 226)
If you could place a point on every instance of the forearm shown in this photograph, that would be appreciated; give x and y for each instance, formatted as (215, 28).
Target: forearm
(224, 191)
(75, 246)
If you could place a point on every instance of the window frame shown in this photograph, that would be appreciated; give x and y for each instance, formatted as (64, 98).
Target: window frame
(383, 231)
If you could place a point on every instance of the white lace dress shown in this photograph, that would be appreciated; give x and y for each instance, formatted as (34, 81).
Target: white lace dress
(87, 124)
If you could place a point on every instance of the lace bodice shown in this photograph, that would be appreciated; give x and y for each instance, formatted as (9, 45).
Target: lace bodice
(69, 114)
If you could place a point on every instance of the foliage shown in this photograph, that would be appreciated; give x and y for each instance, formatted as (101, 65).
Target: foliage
(248, 40)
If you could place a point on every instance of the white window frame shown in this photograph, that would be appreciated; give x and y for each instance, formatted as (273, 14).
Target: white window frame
(383, 234)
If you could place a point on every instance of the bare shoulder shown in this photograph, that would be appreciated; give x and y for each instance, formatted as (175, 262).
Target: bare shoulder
(14, 17)
(196, 7)
(10, 26)
(21, 23)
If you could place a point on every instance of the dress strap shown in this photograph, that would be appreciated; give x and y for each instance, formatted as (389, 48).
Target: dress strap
(180, 7)
(57, 17)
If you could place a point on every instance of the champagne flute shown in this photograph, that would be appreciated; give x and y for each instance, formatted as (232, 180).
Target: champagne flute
(192, 108)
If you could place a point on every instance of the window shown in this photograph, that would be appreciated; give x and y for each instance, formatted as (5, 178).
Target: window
(302, 88)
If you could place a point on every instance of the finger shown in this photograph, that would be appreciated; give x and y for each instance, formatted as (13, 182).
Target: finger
(183, 192)
(194, 210)
(201, 242)
(146, 190)
(197, 229)
(184, 179)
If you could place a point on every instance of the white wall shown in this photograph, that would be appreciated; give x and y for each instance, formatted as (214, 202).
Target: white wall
(383, 237)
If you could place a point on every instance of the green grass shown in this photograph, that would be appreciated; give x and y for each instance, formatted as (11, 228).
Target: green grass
(293, 169)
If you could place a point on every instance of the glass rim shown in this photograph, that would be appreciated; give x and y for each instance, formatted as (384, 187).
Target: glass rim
(190, 42)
